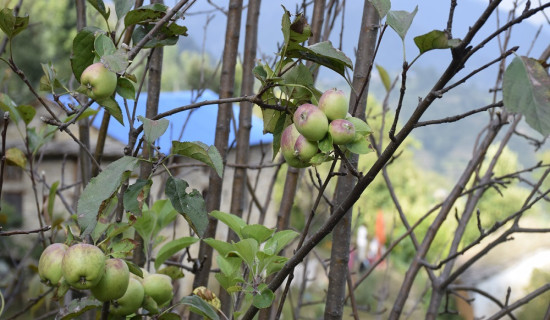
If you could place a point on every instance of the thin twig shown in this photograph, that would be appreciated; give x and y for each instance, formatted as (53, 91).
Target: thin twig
(14, 232)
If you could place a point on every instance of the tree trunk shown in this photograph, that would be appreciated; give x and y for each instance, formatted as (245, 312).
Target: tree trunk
(342, 232)
(243, 134)
(227, 82)
(84, 124)
(317, 19)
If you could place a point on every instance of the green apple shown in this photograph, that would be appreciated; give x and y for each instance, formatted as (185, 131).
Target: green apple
(305, 149)
(288, 141)
(49, 265)
(114, 282)
(311, 122)
(159, 287)
(334, 104)
(83, 266)
(131, 301)
(99, 81)
(342, 131)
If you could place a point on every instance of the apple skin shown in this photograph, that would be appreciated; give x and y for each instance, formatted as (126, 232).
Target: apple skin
(342, 131)
(99, 81)
(159, 287)
(49, 265)
(362, 129)
(288, 141)
(131, 301)
(311, 122)
(305, 149)
(334, 104)
(83, 266)
(114, 282)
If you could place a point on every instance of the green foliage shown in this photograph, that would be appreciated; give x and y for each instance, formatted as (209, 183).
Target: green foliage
(526, 90)
(260, 261)
(435, 39)
(190, 205)
(538, 307)
(101, 188)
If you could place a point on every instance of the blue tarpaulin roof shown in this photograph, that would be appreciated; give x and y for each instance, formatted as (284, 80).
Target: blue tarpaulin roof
(200, 127)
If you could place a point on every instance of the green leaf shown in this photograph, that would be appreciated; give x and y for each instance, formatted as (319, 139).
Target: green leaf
(162, 38)
(166, 213)
(144, 225)
(400, 21)
(15, 157)
(260, 73)
(83, 50)
(382, 6)
(201, 152)
(112, 107)
(134, 268)
(278, 131)
(77, 307)
(281, 239)
(325, 145)
(384, 76)
(246, 249)
(200, 307)
(435, 40)
(169, 316)
(125, 88)
(10, 24)
(117, 61)
(122, 248)
(285, 25)
(101, 188)
(324, 54)
(135, 196)
(26, 112)
(101, 8)
(222, 247)
(148, 13)
(190, 205)
(122, 7)
(229, 265)
(274, 264)
(87, 113)
(526, 90)
(7, 105)
(103, 45)
(170, 248)
(153, 129)
(360, 146)
(232, 221)
(51, 197)
(229, 283)
(361, 127)
(264, 298)
(257, 232)
(301, 75)
(173, 272)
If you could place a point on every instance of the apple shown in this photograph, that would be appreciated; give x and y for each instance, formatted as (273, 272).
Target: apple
(305, 149)
(131, 301)
(288, 142)
(114, 282)
(49, 265)
(159, 287)
(311, 122)
(334, 104)
(342, 131)
(99, 81)
(83, 266)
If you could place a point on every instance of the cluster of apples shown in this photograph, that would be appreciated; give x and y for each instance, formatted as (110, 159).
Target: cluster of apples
(299, 141)
(84, 266)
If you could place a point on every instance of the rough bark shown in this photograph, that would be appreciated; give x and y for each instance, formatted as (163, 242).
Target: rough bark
(342, 232)
(317, 18)
(84, 124)
(227, 81)
(238, 195)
